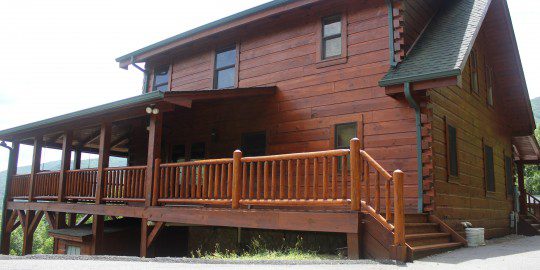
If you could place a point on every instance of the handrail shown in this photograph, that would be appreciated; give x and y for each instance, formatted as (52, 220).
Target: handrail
(328, 153)
(375, 165)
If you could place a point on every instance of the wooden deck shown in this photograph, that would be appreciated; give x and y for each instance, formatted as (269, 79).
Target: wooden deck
(318, 191)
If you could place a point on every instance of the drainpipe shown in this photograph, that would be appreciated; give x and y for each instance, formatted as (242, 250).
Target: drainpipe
(414, 104)
(393, 62)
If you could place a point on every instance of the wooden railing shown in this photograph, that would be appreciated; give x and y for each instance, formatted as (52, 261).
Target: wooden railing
(46, 185)
(197, 182)
(19, 186)
(533, 205)
(305, 179)
(81, 184)
(124, 184)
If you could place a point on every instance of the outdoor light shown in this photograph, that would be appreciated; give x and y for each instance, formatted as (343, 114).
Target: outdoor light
(155, 111)
(4, 144)
(152, 109)
(149, 110)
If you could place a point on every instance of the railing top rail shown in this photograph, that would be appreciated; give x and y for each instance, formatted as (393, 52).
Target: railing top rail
(83, 170)
(47, 172)
(199, 162)
(21, 175)
(329, 153)
(125, 168)
(536, 200)
(376, 165)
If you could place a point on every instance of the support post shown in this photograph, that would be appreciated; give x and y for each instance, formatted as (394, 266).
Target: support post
(36, 163)
(355, 174)
(65, 164)
(399, 217)
(144, 238)
(521, 188)
(237, 179)
(154, 152)
(77, 159)
(103, 162)
(28, 234)
(98, 224)
(354, 242)
(11, 171)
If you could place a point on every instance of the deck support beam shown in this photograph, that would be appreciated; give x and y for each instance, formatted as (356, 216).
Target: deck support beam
(147, 239)
(36, 163)
(98, 224)
(521, 188)
(65, 164)
(29, 220)
(103, 162)
(12, 170)
(154, 152)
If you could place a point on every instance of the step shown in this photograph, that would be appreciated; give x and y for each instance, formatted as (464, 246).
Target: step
(418, 228)
(417, 218)
(423, 239)
(427, 250)
(536, 226)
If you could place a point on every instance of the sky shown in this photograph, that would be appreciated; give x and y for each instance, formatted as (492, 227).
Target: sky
(58, 55)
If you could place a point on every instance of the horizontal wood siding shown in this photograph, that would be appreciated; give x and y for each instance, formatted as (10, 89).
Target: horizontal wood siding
(311, 98)
(464, 198)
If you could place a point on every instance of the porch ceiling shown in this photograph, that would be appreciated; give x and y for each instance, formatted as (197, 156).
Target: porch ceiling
(526, 149)
(124, 114)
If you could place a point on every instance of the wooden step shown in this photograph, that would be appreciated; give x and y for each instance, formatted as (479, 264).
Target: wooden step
(536, 226)
(416, 218)
(422, 239)
(418, 228)
(427, 250)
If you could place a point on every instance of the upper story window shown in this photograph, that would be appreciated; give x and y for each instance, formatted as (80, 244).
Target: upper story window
(332, 37)
(225, 68)
(161, 79)
(451, 150)
(489, 168)
(343, 135)
(474, 71)
(489, 85)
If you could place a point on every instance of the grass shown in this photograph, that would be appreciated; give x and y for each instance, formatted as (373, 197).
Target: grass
(256, 250)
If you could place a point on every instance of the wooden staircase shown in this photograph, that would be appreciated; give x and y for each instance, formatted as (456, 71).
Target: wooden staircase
(426, 235)
(529, 226)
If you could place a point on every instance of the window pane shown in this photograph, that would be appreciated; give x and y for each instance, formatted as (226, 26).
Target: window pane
(452, 148)
(226, 58)
(225, 78)
(72, 250)
(254, 144)
(179, 153)
(161, 76)
(198, 151)
(332, 47)
(344, 134)
(332, 27)
(490, 170)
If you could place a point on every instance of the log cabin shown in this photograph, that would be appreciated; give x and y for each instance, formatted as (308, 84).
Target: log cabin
(384, 123)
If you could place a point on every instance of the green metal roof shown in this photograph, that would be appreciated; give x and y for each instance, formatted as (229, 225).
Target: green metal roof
(443, 48)
(58, 120)
(240, 15)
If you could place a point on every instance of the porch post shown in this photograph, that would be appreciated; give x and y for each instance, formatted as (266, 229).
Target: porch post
(28, 234)
(521, 188)
(77, 159)
(36, 163)
(12, 170)
(98, 224)
(98, 221)
(65, 165)
(154, 152)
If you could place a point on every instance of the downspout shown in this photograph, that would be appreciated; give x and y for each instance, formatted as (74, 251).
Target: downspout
(391, 45)
(414, 104)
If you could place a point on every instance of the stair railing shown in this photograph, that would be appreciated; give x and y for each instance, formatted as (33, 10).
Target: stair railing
(533, 205)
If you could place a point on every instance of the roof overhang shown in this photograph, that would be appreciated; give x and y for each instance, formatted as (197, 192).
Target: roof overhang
(243, 18)
(126, 109)
(526, 149)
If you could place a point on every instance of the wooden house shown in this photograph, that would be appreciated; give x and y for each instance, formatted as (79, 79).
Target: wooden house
(386, 122)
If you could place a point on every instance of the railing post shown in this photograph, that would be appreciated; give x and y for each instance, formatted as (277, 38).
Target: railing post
(155, 188)
(399, 210)
(355, 174)
(36, 163)
(237, 179)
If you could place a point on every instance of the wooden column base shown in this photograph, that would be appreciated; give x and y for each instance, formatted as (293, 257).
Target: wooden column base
(354, 246)
(98, 224)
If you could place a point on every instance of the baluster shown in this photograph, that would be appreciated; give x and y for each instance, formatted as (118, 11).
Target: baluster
(229, 179)
(167, 185)
(223, 192)
(193, 182)
(244, 180)
(344, 175)
(210, 181)
(216, 180)
(306, 178)
(205, 181)
(387, 202)
(315, 178)
(325, 178)
(128, 184)
(334, 177)
(282, 179)
(266, 179)
(259, 180)
(290, 175)
(182, 170)
(251, 179)
(187, 170)
(200, 181)
(161, 180)
(367, 182)
(274, 180)
(297, 179)
(378, 192)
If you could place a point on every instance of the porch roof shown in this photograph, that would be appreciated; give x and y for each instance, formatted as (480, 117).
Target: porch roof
(128, 108)
(526, 149)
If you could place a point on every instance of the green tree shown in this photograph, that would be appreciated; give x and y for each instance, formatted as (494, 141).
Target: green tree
(532, 173)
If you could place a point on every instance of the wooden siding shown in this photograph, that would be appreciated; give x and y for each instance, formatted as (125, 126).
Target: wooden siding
(311, 97)
(464, 198)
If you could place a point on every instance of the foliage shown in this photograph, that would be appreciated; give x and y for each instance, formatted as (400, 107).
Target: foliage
(257, 250)
(532, 172)
(43, 243)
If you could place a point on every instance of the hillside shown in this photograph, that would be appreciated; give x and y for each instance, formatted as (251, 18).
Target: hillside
(535, 103)
(55, 165)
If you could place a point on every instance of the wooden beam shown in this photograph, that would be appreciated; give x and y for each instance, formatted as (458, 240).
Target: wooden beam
(38, 215)
(51, 219)
(94, 136)
(155, 232)
(65, 164)
(72, 220)
(5, 235)
(423, 85)
(154, 152)
(144, 238)
(83, 220)
(120, 140)
(77, 159)
(36, 163)
(103, 162)
(98, 225)
(28, 235)
(521, 188)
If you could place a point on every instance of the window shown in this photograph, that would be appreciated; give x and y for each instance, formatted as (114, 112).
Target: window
(73, 250)
(225, 68)
(161, 79)
(198, 151)
(178, 153)
(474, 71)
(489, 84)
(451, 150)
(254, 144)
(331, 37)
(489, 168)
(343, 135)
(509, 175)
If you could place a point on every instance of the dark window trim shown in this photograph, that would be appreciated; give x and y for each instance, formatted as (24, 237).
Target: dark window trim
(334, 60)
(169, 75)
(489, 86)
(329, 20)
(473, 58)
(235, 65)
(484, 148)
(450, 177)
